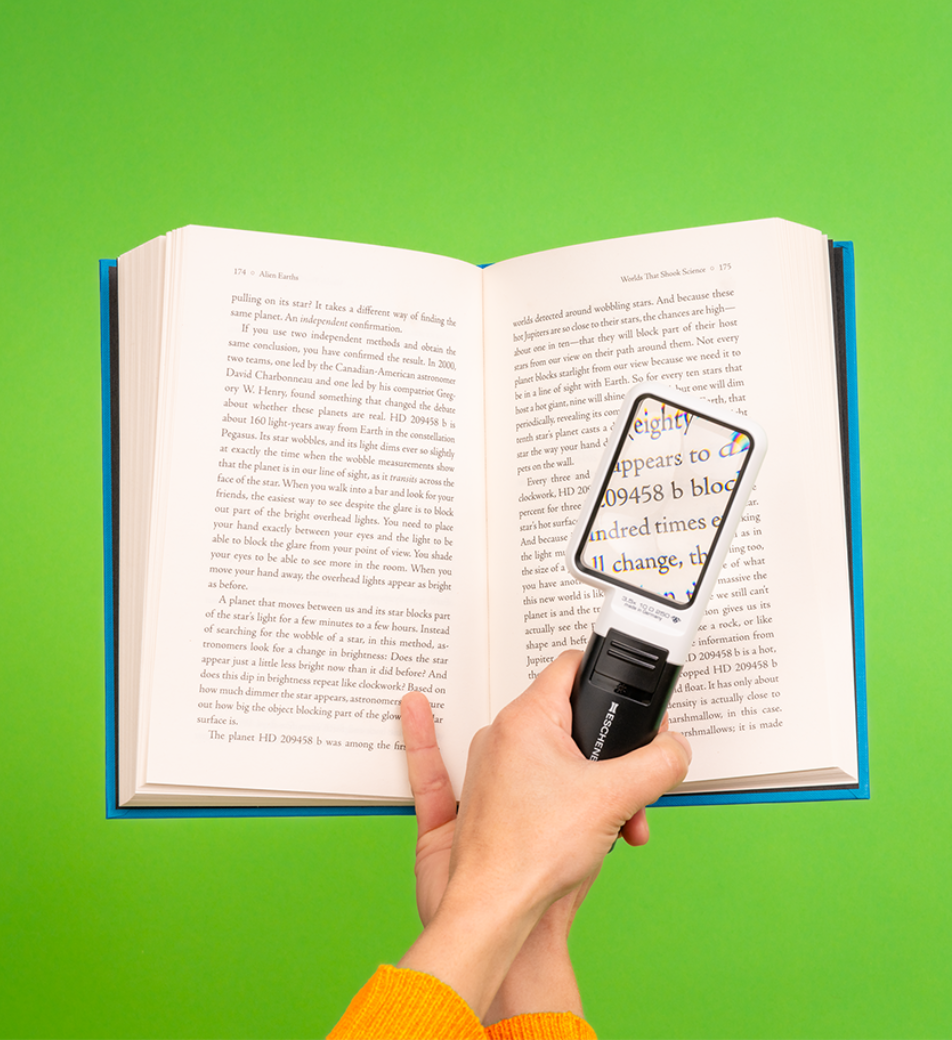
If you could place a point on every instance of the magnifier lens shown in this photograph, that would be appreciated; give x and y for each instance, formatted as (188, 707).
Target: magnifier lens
(671, 482)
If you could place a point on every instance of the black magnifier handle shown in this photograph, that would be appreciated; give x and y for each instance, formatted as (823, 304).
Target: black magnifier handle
(620, 694)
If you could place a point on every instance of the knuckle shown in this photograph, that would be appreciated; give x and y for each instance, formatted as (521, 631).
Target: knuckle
(430, 785)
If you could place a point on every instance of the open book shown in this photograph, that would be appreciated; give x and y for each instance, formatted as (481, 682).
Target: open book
(338, 472)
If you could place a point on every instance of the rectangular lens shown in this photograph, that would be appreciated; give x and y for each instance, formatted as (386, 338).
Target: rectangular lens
(659, 516)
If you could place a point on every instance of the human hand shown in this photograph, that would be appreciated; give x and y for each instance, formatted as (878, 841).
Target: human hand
(535, 813)
(541, 978)
(537, 819)
(436, 805)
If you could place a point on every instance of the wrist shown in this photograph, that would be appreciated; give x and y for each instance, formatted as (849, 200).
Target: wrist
(472, 941)
(541, 980)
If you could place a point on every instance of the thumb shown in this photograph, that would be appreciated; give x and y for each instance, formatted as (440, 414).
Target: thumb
(643, 776)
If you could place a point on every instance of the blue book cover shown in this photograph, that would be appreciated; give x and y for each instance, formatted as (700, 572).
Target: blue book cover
(843, 275)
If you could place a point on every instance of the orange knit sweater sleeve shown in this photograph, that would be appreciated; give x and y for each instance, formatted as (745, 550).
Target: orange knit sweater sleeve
(553, 1025)
(399, 1004)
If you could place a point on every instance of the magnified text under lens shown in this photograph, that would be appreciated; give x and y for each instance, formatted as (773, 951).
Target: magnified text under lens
(660, 510)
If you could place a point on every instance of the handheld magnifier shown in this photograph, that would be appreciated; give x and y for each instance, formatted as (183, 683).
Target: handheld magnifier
(654, 531)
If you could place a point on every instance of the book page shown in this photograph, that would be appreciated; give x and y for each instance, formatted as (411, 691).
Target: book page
(140, 330)
(738, 315)
(320, 533)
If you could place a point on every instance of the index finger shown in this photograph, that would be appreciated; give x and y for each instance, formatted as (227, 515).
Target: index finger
(429, 780)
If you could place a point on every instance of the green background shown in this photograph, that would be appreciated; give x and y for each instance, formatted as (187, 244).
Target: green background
(480, 130)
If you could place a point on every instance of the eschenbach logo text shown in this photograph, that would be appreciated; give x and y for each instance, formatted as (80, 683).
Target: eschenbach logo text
(603, 732)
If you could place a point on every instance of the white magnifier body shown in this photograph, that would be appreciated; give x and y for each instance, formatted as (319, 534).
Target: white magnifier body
(653, 533)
